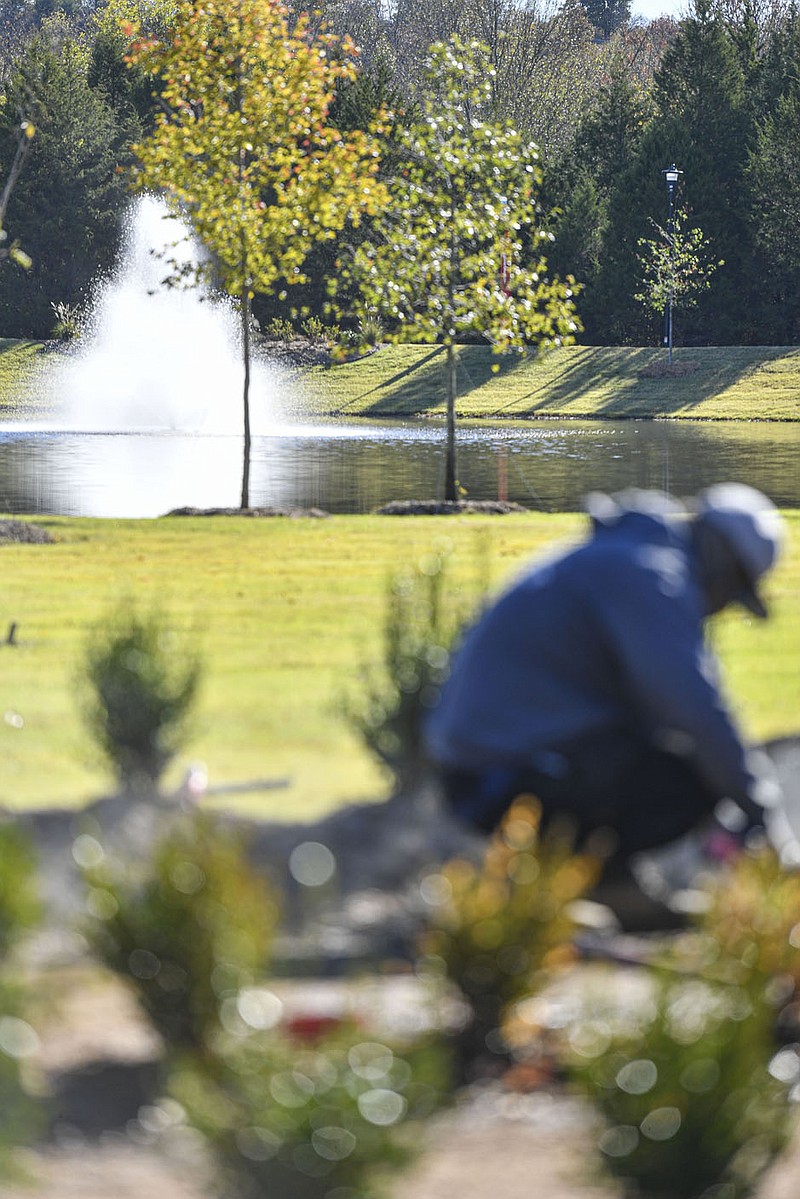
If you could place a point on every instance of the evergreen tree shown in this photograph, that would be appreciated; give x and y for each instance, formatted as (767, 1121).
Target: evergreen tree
(701, 123)
(584, 185)
(700, 90)
(771, 182)
(66, 206)
(607, 16)
(773, 171)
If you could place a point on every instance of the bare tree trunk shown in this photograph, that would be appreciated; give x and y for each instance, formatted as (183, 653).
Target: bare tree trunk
(245, 309)
(450, 452)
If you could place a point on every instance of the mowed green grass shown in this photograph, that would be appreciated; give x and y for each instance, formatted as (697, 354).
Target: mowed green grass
(595, 382)
(721, 383)
(285, 612)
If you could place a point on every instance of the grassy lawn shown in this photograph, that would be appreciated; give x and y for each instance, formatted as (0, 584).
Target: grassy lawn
(285, 613)
(19, 361)
(721, 383)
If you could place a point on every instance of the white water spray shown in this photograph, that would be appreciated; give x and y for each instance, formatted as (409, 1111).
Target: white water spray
(160, 358)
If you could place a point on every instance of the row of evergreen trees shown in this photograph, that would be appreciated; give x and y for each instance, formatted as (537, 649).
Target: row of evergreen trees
(717, 94)
(723, 106)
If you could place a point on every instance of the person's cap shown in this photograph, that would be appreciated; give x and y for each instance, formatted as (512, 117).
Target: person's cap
(752, 528)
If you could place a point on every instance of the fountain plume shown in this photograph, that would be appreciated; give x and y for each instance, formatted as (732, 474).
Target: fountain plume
(158, 357)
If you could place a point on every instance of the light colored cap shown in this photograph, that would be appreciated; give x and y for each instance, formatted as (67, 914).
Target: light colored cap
(752, 528)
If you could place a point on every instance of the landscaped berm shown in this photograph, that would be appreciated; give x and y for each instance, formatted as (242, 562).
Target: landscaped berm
(707, 383)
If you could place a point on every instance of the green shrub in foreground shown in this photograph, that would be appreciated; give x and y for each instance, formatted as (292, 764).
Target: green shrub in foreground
(692, 1094)
(331, 1118)
(422, 622)
(20, 910)
(191, 927)
(496, 927)
(142, 685)
(317, 1116)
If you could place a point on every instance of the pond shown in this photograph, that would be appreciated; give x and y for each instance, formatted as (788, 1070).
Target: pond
(347, 467)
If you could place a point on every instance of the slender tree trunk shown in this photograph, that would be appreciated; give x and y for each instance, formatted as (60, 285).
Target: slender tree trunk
(245, 309)
(450, 452)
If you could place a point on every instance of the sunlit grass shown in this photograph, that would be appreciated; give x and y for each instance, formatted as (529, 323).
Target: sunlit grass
(719, 383)
(285, 613)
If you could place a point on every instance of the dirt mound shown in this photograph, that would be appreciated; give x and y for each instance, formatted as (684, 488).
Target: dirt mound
(448, 507)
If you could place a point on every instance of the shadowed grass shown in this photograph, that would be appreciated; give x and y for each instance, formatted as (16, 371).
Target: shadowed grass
(710, 383)
(284, 613)
(720, 383)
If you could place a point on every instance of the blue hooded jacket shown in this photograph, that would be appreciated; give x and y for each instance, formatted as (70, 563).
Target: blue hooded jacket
(605, 638)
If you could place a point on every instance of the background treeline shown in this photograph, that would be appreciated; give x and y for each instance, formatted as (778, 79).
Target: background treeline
(611, 104)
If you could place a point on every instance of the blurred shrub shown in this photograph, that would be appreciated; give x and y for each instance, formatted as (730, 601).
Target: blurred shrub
(191, 928)
(20, 911)
(304, 1117)
(494, 928)
(693, 1097)
(422, 624)
(749, 933)
(142, 686)
(20, 906)
(319, 333)
(329, 1120)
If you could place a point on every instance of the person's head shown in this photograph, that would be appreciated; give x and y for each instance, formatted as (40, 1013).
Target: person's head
(737, 533)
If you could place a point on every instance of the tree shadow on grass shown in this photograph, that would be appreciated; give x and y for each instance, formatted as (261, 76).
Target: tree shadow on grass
(634, 391)
(422, 387)
(615, 382)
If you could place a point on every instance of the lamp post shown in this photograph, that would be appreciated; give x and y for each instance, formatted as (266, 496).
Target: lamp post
(671, 176)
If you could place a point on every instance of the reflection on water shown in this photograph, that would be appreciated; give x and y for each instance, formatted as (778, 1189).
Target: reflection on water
(356, 467)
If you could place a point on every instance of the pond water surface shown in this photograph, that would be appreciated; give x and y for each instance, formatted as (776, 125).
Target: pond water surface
(357, 466)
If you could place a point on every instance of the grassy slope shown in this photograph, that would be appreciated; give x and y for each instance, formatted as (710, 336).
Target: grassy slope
(753, 383)
(741, 383)
(285, 612)
(18, 363)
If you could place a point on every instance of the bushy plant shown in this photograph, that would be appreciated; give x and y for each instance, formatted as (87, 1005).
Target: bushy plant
(317, 1117)
(370, 328)
(20, 911)
(422, 624)
(326, 1120)
(142, 684)
(693, 1097)
(320, 333)
(20, 906)
(749, 931)
(279, 329)
(494, 927)
(69, 321)
(191, 927)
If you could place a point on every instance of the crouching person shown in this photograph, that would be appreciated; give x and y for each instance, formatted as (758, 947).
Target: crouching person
(589, 683)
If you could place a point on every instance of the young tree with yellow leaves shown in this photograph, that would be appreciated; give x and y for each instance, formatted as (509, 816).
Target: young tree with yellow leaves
(245, 149)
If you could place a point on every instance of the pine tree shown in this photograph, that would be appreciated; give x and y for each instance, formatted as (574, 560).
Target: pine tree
(66, 206)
